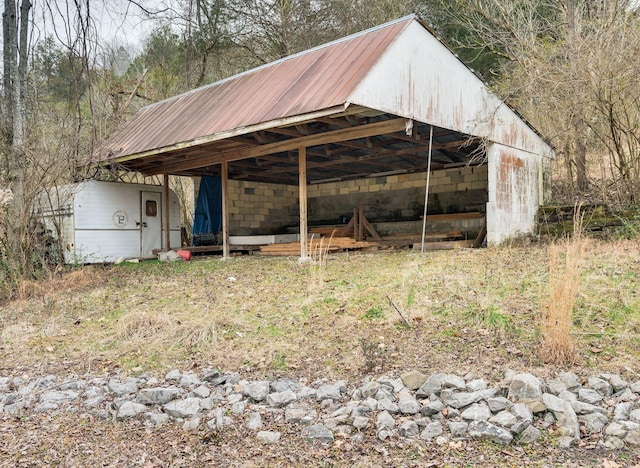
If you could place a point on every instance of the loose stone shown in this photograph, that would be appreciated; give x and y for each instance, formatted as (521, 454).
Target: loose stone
(431, 430)
(182, 408)
(268, 437)
(484, 430)
(317, 433)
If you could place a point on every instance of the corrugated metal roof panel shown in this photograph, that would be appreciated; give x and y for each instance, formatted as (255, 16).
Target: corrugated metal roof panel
(317, 79)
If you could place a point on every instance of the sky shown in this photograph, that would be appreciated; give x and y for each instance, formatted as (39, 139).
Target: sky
(117, 22)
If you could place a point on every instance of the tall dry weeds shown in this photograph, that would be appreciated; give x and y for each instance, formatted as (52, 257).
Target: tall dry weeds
(317, 266)
(565, 267)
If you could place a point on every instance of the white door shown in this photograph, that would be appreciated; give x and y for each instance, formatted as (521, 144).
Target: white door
(151, 225)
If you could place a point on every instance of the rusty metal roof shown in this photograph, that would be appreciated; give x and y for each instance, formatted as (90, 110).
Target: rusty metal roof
(318, 79)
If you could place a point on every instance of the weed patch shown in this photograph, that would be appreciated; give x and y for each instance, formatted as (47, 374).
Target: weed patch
(374, 313)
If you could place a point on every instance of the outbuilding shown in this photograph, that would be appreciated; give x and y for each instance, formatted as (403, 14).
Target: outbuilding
(388, 120)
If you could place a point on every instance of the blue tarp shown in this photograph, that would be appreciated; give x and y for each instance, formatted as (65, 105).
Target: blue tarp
(208, 214)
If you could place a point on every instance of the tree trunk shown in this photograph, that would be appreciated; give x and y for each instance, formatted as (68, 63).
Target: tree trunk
(10, 47)
(15, 55)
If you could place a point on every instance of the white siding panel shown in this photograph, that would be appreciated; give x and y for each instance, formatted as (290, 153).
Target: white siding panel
(105, 246)
(99, 219)
(419, 78)
(100, 205)
(514, 193)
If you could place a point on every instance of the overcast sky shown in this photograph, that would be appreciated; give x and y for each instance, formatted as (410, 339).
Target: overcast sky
(121, 22)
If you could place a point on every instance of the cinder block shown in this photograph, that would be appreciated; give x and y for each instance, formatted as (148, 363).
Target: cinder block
(344, 190)
(374, 188)
(480, 184)
(463, 186)
(456, 178)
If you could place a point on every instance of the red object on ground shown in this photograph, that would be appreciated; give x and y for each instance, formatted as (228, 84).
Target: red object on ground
(184, 254)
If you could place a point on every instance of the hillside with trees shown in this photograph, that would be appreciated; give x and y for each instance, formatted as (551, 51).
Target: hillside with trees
(569, 66)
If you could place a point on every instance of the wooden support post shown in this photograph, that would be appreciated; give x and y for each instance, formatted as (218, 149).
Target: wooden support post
(302, 187)
(165, 213)
(361, 221)
(224, 179)
(355, 224)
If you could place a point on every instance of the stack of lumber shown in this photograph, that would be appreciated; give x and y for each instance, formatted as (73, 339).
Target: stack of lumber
(403, 239)
(317, 247)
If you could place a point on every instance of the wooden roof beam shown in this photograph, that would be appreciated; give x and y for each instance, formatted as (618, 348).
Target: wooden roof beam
(377, 128)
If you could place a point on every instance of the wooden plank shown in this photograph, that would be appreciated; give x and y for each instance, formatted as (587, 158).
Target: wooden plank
(370, 229)
(343, 134)
(477, 243)
(429, 236)
(454, 216)
(360, 220)
(447, 245)
(355, 223)
(224, 178)
(302, 187)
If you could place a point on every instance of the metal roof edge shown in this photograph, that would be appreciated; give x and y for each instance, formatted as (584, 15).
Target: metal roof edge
(406, 18)
(286, 121)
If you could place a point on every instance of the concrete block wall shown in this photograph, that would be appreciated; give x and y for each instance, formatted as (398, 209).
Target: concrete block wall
(260, 208)
(400, 197)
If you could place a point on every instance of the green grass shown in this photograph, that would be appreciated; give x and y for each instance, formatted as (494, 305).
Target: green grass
(374, 313)
(462, 306)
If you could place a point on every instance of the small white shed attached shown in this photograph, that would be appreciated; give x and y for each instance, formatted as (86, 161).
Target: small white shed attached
(102, 221)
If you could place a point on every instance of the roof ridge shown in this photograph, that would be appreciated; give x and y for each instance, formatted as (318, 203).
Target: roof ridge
(406, 18)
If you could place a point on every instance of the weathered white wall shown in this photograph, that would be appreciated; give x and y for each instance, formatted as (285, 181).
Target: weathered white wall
(515, 192)
(419, 78)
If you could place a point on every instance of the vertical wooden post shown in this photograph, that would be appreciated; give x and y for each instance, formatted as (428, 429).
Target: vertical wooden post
(361, 220)
(165, 213)
(355, 224)
(224, 178)
(302, 188)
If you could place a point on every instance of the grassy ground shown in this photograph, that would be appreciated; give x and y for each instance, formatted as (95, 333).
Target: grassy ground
(459, 311)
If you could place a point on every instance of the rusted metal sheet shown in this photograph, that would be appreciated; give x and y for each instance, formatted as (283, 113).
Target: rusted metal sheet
(317, 79)
(514, 192)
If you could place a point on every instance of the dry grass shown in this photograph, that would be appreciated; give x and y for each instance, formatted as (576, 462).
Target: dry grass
(475, 310)
(319, 252)
(566, 260)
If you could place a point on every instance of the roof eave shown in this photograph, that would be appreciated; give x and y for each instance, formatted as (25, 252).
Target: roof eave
(275, 123)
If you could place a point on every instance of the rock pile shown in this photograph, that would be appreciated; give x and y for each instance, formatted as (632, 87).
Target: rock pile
(600, 411)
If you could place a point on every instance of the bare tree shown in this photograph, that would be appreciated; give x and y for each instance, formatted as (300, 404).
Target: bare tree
(547, 49)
